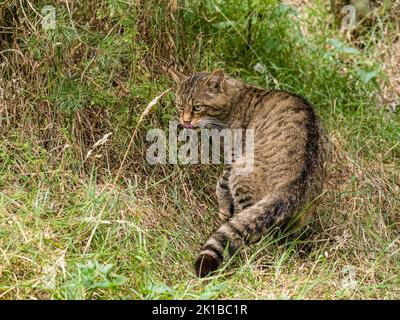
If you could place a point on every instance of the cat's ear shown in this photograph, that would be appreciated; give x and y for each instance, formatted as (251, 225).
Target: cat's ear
(176, 75)
(216, 81)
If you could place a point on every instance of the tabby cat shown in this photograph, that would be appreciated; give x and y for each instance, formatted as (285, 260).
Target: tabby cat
(290, 152)
(364, 13)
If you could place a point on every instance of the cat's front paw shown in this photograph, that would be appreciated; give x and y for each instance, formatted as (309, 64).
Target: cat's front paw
(226, 212)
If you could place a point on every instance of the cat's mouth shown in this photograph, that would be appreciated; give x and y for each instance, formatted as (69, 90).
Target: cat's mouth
(203, 124)
(188, 126)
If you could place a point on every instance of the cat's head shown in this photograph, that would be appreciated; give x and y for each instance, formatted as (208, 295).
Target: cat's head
(203, 100)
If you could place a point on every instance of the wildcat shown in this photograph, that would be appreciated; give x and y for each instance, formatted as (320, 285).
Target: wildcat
(290, 153)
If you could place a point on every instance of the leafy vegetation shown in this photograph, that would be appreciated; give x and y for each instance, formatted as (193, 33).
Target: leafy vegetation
(81, 219)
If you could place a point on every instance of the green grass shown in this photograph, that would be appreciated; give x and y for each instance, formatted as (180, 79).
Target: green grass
(72, 227)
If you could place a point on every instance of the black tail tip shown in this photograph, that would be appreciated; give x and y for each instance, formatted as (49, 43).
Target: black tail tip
(205, 264)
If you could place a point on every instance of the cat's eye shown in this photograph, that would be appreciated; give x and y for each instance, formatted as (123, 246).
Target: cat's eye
(179, 107)
(197, 108)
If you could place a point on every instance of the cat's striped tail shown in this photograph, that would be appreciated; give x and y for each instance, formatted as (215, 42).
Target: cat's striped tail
(247, 226)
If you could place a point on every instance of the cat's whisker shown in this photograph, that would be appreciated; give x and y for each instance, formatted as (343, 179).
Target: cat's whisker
(281, 174)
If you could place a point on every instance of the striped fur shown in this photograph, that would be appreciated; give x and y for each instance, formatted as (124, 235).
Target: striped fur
(290, 153)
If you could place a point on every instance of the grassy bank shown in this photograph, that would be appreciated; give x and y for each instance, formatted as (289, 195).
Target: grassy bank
(79, 220)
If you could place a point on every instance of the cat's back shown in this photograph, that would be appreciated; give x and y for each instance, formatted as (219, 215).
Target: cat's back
(290, 141)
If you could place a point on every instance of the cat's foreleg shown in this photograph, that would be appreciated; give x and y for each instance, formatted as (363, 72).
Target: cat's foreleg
(225, 200)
